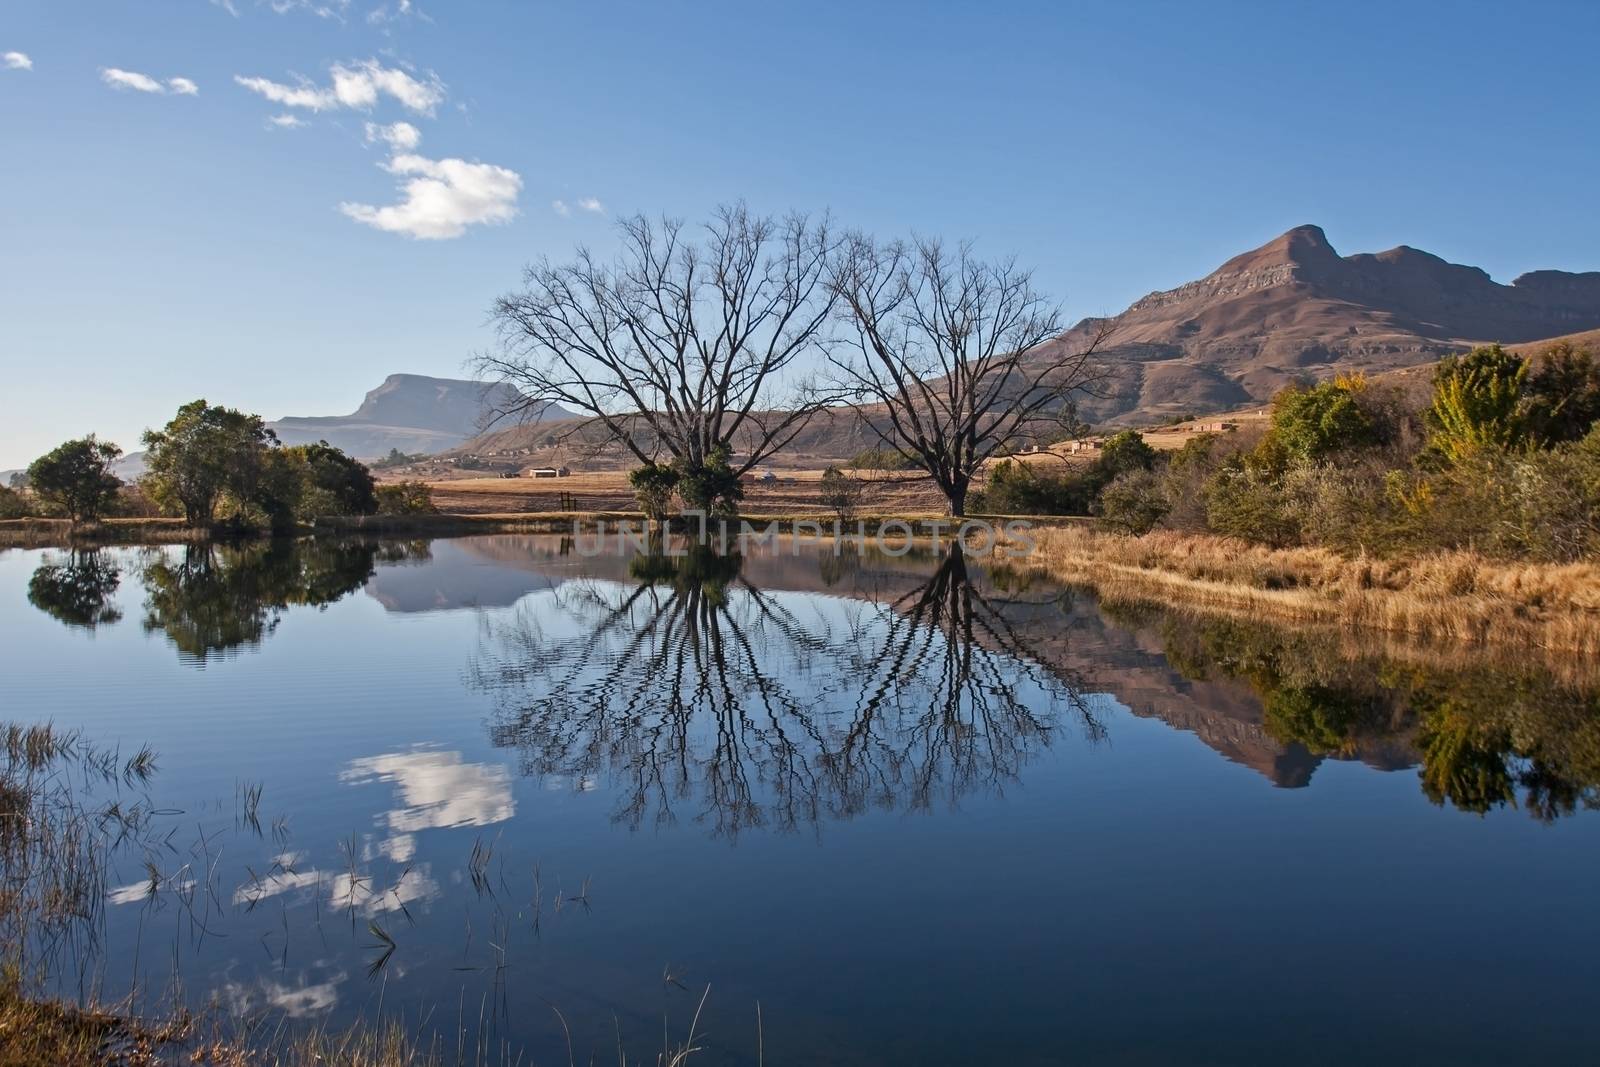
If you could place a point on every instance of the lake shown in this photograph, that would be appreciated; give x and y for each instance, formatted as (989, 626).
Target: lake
(853, 808)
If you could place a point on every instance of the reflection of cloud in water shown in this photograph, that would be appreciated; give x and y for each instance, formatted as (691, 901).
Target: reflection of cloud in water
(436, 789)
(414, 886)
(138, 892)
(296, 1001)
(283, 878)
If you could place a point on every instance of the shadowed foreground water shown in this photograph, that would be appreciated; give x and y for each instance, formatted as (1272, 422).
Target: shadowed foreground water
(915, 810)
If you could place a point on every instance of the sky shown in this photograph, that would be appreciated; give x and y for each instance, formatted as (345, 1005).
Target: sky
(273, 204)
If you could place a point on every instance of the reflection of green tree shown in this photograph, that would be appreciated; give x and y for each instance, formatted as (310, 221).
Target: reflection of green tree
(216, 598)
(78, 591)
(1325, 719)
(1480, 734)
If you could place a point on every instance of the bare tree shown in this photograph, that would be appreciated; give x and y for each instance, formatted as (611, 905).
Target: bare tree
(951, 358)
(678, 349)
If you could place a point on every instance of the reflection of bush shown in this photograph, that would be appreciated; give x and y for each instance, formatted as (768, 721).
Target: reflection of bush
(1480, 734)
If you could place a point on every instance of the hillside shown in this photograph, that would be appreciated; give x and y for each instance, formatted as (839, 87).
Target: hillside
(1294, 308)
(410, 412)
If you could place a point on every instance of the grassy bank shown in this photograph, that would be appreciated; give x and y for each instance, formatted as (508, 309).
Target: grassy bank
(1457, 596)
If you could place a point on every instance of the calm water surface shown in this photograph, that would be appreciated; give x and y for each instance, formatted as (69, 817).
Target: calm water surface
(916, 811)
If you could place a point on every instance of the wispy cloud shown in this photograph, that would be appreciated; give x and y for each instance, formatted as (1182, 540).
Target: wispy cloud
(143, 83)
(16, 61)
(226, 5)
(286, 122)
(332, 10)
(442, 197)
(400, 136)
(590, 204)
(355, 85)
(560, 207)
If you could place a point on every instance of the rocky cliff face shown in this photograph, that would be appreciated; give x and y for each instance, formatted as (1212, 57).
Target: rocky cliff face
(411, 412)
(1295, 308)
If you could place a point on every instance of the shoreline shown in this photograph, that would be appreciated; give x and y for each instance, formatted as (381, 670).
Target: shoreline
(1454, 596)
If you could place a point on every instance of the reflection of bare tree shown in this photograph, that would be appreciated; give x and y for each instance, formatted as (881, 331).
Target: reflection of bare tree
(693, 686)
(955, 699)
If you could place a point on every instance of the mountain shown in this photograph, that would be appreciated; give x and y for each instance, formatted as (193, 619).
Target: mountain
(1294, 308)
(411, 412)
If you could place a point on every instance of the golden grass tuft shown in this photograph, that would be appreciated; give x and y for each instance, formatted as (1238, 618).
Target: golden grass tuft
(1454, 595)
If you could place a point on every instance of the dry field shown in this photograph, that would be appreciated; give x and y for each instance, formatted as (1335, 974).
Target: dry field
(795, 492)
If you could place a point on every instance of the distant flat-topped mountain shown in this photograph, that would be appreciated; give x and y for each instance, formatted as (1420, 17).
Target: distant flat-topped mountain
(1294, 308)
(410, 412)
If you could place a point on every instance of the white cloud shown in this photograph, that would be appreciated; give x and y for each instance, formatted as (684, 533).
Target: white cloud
(304, 95)
(589, 203)
(442, 198)
(130, 79)
(286, 122)
(334, 10)
(401, 136)
(226, 5)
(16, 61)
(560, 207)
(356, 85)
(143, 83)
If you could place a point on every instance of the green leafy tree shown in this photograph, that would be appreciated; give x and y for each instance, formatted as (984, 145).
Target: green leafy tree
(653, 485)
(1477, 403)
(76, 478)
(1124, 452)
(320, 479)
(1313, 424)
(712, 485)
(206, 454)
(1563, 394)
(841, 494)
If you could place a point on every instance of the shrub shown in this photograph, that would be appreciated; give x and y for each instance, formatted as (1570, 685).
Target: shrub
(1313, 424)
(1477, 403)
(405, 498)
(1249, 503)
(1016, 488)
(710, 486)
(1563, 394)
(1133, 503)
(13, 505)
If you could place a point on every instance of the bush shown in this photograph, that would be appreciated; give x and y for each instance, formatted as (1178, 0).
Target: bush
(1016, 488)
(1563, 394)
(405, 498)
(13, 505)
(1313, 424)
(1477, 403)
(710, 486)
(882, 459)
(653, 485)
(1133, 503)
(1249, 503)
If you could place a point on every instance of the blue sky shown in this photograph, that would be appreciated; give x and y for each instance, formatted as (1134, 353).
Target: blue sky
(158, 244)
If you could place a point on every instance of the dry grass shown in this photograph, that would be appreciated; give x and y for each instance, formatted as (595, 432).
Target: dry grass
(1457, 596)
(49, 533)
